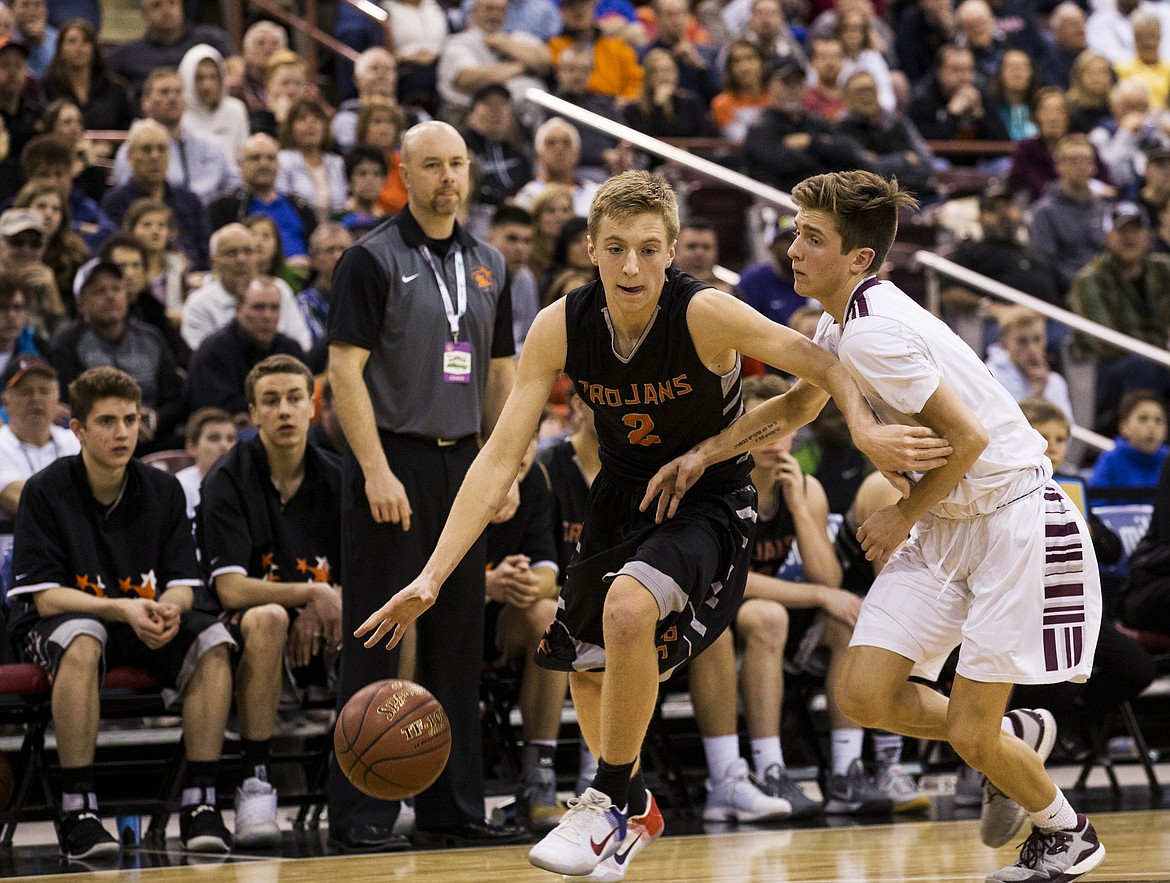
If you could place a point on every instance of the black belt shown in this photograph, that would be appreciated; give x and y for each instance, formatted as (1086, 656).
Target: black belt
(437, 442)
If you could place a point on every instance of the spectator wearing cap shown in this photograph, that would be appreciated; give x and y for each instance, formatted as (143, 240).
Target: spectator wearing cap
(195, 162)
(1001, 253)
(20, 114)
(168, 37)
(1121, 137)
(483, 54)
(220, 364)
(768, 286)
(105, 335)
(1124, 288)
(22, 251)
(489, 132)
(788, 145)
(31, 440)
(949, 106)
(259, 168)
(616, 71)
(1147, 63)
(148, 159)
(1067, 221)
(31, 21)
(891, 143)
(17, 335)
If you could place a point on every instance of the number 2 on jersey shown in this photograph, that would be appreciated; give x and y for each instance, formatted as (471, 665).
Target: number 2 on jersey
(640, 429)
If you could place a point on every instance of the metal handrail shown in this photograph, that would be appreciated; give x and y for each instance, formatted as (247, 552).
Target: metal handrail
(935, 264)
(659, 148)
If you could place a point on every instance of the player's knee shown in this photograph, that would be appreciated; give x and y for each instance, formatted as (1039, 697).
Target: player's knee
(859, 702)
(82, 657)
(631, 612)
(265, 625)
(538, 617)
(763, 624)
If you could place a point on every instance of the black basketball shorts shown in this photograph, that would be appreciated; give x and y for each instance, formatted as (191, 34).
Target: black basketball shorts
(695, 565)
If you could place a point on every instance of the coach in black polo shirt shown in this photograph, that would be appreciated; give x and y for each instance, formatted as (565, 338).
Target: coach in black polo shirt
(268, 527)
(104, 575)
(420, 357)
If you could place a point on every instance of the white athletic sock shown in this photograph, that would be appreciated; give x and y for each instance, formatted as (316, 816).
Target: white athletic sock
(887, 748)
(846, 748)
(1057, 816)
(765, 752)
(721, 752)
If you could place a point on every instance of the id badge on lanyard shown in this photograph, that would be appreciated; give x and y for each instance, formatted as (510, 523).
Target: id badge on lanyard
(456, 352)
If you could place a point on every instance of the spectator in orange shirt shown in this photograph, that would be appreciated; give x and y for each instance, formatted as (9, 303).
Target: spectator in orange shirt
(616, 70)
(744, 94)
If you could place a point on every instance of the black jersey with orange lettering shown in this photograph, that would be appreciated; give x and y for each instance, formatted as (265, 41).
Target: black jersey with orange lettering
(570, 495)
(773, 538)
(660, 401)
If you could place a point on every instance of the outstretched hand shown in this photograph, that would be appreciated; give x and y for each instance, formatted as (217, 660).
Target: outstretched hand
(395, 616)
(896, 448)
(670, 483)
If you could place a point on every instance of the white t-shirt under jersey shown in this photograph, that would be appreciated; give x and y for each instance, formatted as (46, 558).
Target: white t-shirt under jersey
(20, 461)
(898, 353)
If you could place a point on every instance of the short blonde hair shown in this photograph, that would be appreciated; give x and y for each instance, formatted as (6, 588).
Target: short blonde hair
(1017, 317)
(635, 193)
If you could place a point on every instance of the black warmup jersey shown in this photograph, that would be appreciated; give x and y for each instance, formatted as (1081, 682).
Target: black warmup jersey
(773, 539)
(530, 531)
(570, 495)
(243, 528)
(662, 400)
(137, 547)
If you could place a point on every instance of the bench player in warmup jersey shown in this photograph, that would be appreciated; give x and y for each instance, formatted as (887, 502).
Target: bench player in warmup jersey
(997, 558)
(654, 354)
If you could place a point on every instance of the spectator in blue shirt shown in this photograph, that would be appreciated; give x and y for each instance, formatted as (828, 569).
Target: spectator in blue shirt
(1140, 447)
(768, 286)
(31, 18)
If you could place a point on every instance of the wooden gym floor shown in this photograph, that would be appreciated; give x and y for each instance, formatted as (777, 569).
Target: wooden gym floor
(1138, 845)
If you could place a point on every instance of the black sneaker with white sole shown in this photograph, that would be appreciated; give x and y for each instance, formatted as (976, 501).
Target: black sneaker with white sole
(201, 829)
(83, 836)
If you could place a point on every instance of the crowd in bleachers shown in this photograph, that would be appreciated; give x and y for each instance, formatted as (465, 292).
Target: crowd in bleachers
(175, 206)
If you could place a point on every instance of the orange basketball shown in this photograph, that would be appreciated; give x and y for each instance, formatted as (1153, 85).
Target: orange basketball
(392, 739)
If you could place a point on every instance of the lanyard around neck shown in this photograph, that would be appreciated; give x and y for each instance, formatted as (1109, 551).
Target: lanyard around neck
(454, 314)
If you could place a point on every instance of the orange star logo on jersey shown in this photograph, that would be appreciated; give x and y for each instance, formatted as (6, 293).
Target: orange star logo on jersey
(93, 587)
(269, 568)
(320, 571)
(144, 588)
(482, 276)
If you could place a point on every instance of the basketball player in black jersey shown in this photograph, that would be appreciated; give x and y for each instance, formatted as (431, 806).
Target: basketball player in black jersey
(655, 354)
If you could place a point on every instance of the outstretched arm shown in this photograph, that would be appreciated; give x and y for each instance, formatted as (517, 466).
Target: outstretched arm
(487, 481)
(720, 324)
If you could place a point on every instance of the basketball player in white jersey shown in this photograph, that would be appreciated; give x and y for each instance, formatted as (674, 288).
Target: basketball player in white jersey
(997, 559)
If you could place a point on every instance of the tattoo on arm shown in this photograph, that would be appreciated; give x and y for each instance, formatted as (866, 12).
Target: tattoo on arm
(760, 436)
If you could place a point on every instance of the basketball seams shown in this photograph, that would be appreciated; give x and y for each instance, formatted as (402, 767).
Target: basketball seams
(403, 764)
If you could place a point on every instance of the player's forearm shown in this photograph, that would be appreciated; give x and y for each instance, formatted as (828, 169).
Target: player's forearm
(356, 414)
(182, 597)
(776, 417)
(852, 404)
(483, 491)
(937, 484)
(60, 599)
(238, 592)
(793, 595)
(816, 552)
